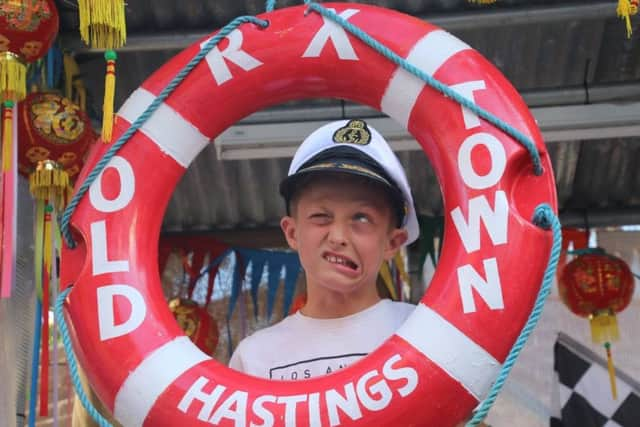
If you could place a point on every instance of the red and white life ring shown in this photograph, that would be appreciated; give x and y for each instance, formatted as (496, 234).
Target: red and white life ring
(442, 361)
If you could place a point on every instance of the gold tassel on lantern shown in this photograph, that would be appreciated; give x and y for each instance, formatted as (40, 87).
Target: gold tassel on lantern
(604, 326)
(604, 329)
(109, 95)
(50, 182)
(103, 26)
(626, 9)
(612, 372)
(102, 23)
(7, 135)
(13, 77)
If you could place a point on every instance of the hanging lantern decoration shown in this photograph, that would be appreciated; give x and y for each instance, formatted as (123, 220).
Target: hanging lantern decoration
(54, 136)
(626, 9)
(197, 323)
(27, 30)
(597, 285)
(103, 26)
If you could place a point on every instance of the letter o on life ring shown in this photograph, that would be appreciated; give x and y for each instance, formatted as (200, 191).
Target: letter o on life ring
(443, 359)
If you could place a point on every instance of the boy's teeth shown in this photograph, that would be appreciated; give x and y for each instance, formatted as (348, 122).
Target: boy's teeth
(336, 260)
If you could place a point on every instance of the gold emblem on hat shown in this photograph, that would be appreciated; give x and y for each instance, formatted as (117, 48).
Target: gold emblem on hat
(354, 132)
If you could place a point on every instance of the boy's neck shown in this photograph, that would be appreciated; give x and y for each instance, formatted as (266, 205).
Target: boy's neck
(333, 305)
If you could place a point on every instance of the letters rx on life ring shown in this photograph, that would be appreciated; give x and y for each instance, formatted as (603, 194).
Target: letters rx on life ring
(442, 361)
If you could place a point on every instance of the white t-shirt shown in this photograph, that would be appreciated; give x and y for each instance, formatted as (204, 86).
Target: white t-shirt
(301, 347)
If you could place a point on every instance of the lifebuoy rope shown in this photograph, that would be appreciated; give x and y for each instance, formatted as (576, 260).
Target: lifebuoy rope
(71, 361)
(544, 216)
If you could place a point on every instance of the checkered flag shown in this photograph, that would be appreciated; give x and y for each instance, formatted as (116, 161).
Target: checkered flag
(582, 395)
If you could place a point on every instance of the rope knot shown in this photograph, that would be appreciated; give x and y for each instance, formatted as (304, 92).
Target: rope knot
(543, 216)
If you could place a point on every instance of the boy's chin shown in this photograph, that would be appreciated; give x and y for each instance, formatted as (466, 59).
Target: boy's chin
(349, 289)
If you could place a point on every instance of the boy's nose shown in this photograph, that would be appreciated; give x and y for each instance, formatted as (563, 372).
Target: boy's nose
(337, 234)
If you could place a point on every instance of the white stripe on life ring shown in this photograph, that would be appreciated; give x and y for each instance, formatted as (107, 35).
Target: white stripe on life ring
(175, 135)
(144, 385)
(445, 345)
(428, 54)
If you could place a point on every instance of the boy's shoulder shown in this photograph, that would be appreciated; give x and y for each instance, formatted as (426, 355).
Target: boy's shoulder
(398, 309)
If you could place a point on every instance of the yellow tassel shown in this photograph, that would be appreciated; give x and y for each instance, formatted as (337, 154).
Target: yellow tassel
(81, 96)
(71, 70)
(612, 372)
(385, 273)
(604, 327)
(7, 135)
(399, 262)
(48, 209)
(102, 23)
(13, 78)
(49, 182)
(627, 8)
(109, 95)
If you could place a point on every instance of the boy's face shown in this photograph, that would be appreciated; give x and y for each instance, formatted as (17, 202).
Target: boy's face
(343, 230)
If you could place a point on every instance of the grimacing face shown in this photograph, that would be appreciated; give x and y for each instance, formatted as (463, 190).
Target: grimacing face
(343, 230)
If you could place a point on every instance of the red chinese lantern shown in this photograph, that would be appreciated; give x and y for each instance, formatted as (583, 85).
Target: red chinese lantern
(197, 323)
(597, 285)
(54, 135)
(27, 29)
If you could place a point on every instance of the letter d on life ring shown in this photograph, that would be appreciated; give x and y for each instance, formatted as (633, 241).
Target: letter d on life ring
(442, 361)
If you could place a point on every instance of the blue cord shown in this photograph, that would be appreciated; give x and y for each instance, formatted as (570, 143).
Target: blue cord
(544, 218)
(35, 362)
(50, 67)
(439, 86)
(66, 216)
(270, 4)
(71, 360)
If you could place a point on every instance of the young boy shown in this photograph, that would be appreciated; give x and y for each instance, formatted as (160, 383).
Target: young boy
(349, 209)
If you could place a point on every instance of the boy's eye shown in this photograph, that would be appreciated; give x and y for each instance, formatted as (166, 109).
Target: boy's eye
(362, 217)
(319, 217)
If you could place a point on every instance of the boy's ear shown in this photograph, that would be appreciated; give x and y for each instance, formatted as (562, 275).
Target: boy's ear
(288, 225)
(397, 237)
